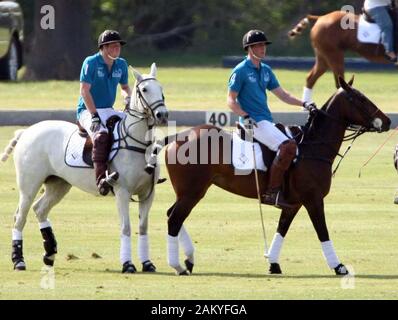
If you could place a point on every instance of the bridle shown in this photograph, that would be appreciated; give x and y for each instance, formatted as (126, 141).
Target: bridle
(356, 131)
(147, 114)
(149, 109)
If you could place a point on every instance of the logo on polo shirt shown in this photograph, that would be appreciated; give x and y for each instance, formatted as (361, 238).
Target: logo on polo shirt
(100, 72)
(252, 77)
(117, 73)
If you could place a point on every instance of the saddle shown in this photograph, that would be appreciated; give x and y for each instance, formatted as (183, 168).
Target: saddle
(371, 32)
(75, 145)
(292, 132)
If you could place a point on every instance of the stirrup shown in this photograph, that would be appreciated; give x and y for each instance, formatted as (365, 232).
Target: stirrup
(106, 184)
(275, 198)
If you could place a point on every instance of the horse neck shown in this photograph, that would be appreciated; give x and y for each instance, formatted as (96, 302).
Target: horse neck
(329, 131)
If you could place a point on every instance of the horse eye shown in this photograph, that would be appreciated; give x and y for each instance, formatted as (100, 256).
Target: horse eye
(144, 90)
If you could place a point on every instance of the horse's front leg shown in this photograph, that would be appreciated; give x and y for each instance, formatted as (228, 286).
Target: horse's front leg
(143, 240)
(122, 200)
(285, 220)
(316, 212)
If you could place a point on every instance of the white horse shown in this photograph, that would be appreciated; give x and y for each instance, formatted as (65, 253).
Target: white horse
(40, 159)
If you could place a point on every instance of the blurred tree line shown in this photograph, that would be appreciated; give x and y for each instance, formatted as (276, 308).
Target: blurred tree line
(205, 27)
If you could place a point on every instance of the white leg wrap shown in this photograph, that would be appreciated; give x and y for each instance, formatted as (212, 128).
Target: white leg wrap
(143, 248)
(125, 249)
(16, 235)
(173, 255)
(275, 250)
(307, 94)
(330, 254)
(186, 243)
(44, 224)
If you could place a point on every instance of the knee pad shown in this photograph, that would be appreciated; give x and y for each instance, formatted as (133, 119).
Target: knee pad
(286, 153)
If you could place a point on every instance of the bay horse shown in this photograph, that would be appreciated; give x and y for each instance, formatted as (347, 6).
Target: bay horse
(329, 41)
(39, 159)
(306, 184)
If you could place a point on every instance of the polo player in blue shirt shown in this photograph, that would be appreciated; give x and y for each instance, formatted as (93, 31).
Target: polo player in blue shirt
(99, 77)
(247, 97)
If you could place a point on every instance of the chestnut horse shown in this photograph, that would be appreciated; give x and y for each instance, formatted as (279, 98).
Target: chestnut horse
(329, 41)
(306, 183)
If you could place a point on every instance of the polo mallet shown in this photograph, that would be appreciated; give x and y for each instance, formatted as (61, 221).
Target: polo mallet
(258, 193)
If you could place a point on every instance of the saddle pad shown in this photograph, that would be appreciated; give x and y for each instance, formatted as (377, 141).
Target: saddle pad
(74, 149)
(242, 154)
(368, 32)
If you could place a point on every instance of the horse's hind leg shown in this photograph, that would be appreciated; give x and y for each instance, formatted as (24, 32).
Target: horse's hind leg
(285, 220)
(27, 193)
(177, 214)
(143, 241)
(186, 242)
(316, 212)
(55, 189)
(187, 245)
(316, 72)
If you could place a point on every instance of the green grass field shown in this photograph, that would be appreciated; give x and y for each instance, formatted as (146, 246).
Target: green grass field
(199, 89)
(226, 231)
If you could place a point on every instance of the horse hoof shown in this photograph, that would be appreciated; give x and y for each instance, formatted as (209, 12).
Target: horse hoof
(128, 267)
(148, 266)
(48, 261)
(341, 270)
(189, 265)
(396, 200)
(20, 266)
(275, 268)
(184, 273)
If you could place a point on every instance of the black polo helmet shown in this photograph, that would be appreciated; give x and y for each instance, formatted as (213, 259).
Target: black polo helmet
(253, 37)
(109, 36)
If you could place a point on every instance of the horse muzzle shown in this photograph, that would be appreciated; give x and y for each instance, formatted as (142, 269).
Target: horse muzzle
(161, 115)
(381, 126)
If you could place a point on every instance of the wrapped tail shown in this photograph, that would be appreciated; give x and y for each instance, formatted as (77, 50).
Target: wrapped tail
(11, 145)
(302, 25)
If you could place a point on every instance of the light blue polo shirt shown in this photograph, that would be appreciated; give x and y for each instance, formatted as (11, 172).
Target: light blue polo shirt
(251, 84)
(103, 82)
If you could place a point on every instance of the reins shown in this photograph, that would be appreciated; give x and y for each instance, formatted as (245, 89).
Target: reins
(123, 129)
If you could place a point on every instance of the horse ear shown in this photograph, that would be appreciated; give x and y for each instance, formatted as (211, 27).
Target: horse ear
(136, 74)
(343, 84)
(153, 70)
(351, 80)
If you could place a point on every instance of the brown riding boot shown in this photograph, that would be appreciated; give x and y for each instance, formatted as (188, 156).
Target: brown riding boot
(101, 148)
(274, 196)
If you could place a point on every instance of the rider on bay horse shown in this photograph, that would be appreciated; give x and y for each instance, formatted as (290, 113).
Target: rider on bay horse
(378, 10)
(247, 97)
(100, 75)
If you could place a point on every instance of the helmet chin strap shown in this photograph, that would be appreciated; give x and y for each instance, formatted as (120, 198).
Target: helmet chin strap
(110, 57)
(255, 56)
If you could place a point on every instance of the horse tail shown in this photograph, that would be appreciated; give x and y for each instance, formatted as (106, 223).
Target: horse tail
(11, 145)
(302, 25)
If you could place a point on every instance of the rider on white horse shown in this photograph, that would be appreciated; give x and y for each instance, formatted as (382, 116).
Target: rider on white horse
(99, 77)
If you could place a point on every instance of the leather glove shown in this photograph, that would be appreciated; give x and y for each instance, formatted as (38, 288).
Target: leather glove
(249, 123)
(310, 107)
(95, 122)
(127, 101)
